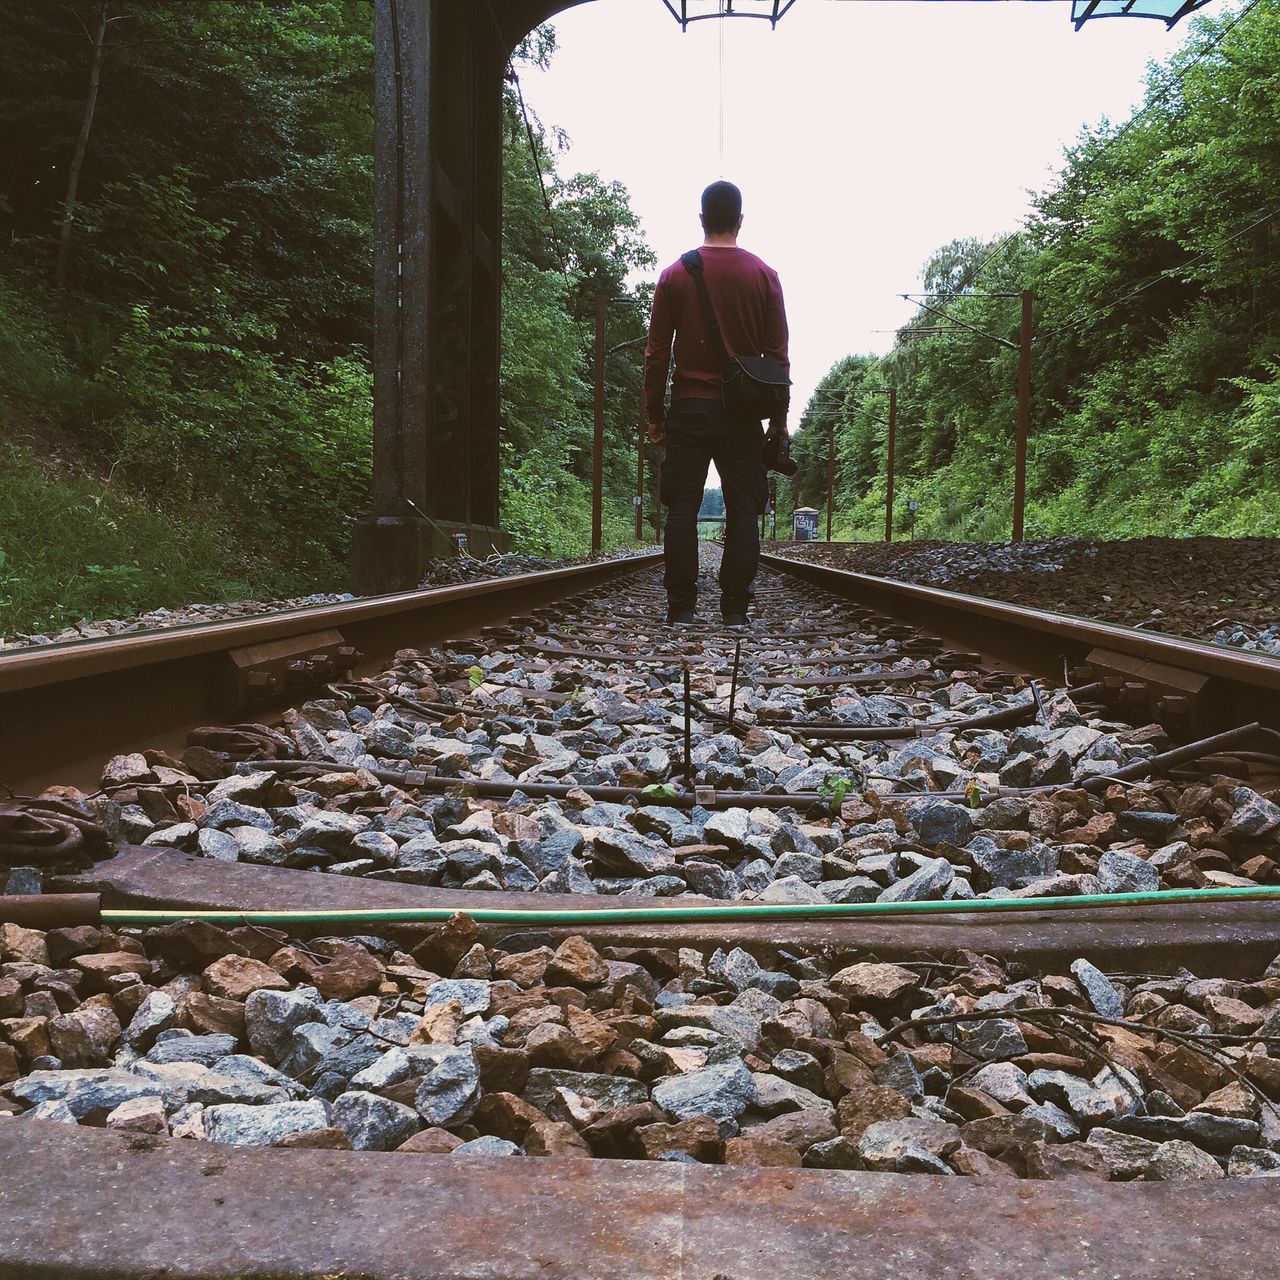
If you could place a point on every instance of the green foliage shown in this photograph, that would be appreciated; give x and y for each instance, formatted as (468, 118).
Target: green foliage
(1154, 259)
(658, 792)
(205, 375)
(833, 788)
(72, 546)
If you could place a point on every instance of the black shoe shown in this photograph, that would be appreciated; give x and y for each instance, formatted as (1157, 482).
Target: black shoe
(734, 619)
(680, 619)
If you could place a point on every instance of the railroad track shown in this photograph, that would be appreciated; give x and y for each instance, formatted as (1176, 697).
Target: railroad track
(770, 923)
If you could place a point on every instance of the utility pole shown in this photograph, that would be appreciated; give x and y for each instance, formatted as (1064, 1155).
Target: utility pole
(1024, 418)
(888, 464)
(640, 473)
(597, 456)
(657, 499)
(831, 478)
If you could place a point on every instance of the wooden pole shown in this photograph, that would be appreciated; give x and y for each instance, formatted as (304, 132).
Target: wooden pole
(640, 475)
(1024, 419)
(597, 455)
(657, 499)
(82, 145)
(888, 464)
(831, 478)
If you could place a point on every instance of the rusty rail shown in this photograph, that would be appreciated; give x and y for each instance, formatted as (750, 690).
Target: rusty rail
(67, 707)
(1222, 686)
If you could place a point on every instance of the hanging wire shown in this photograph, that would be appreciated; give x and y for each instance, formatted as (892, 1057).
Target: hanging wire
(537, 164)
(1100, 313)
(720, 7)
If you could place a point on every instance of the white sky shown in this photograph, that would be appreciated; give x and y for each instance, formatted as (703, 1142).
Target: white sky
(863, 135)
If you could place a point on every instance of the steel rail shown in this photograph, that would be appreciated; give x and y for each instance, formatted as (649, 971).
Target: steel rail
(1241, 685)
(66, 707)
(89, 1204)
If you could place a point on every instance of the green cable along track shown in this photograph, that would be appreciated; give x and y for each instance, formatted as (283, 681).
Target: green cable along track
(729, 912)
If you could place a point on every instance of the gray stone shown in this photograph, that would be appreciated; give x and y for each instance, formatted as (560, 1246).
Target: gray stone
(915, 1144)
(1179, 1161)
(473, 993)
(728, 827)
(487, 1145)
(240, 1066)
(739, 968)
(941, 822)
(1010, 868)
(450, 1092)
(1004, 1082)
(212, 1089)
(219, 845)
(722, 1092)
(850, 889)
(206, 1050)
(155, 1014)
(1097, 986)
(1218, 1134)
(899, 1072)
(247, 1126)
(621, 853)
(553, 1091)
(798, 1067)
(1094, 1102)
(1253, 1162)
(1058, 1121)
(262, 847)
(55, 1110)
(775, 1097)
(1126, 873)
(991, 1039)
(1254, 816)
(791, 889)
(711, 879)
(1126, 1155)
(230, 813)
(1006, 813)
(373, 1123)
(835, 1153)
(927, 884)
(806, 866)
(271, 1017)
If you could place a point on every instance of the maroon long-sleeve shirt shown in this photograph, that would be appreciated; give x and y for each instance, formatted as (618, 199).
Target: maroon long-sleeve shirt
(747, 298)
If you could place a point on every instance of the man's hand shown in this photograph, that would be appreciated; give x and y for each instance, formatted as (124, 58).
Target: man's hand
(657, 432)
(777, 428)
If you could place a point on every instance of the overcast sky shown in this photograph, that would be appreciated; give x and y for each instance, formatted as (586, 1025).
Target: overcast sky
(863, 135)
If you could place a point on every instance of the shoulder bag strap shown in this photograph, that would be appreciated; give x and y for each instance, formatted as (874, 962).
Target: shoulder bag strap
(693, 265)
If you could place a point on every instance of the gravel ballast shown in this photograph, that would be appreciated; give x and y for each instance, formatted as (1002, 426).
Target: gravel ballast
(1224, 590)
(428, 1041)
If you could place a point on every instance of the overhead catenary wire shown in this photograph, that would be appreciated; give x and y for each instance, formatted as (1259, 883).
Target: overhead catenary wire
(537, 164)
(1106, 308)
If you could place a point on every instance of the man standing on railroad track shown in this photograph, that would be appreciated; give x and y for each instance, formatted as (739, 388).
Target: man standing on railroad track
(730, 343)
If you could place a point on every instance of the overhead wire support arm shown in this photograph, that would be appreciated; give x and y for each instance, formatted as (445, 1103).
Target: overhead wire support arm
(916, 297)
(982, 333)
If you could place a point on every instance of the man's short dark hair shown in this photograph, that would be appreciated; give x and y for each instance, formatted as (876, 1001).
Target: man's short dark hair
(721, 208)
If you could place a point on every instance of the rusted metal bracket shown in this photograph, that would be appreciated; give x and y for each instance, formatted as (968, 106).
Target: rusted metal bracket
(1172, 695)
(259, 674)
(40, 831)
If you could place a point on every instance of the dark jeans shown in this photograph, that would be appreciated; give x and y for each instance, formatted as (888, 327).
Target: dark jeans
(699, 432)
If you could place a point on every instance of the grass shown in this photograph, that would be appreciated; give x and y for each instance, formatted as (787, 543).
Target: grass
(73, 547)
